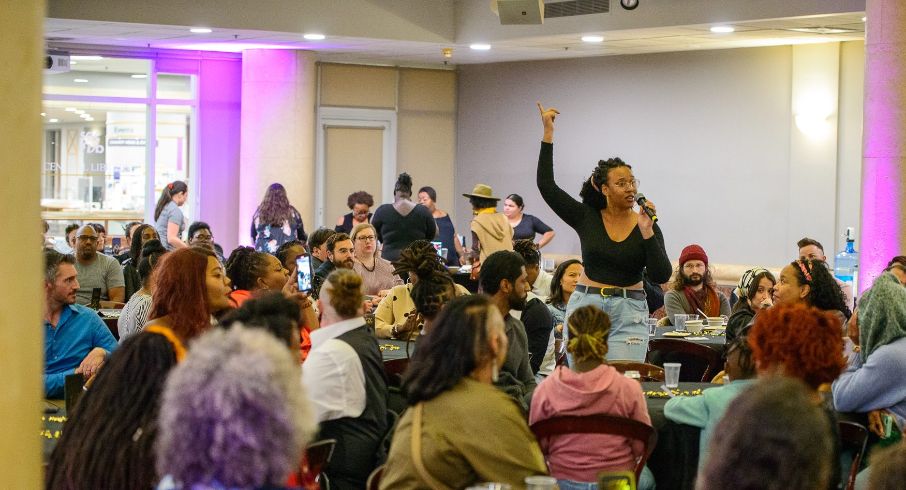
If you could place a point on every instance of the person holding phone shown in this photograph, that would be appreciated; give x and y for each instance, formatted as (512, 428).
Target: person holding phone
(617, 244)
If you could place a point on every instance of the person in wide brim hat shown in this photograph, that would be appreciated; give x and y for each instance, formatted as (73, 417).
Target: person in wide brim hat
(491, 231)
(482, 191)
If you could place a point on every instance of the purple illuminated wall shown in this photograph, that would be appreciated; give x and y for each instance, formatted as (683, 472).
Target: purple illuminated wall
(219, 98)
(884, 139)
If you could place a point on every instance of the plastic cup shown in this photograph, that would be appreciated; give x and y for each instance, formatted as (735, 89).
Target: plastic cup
(540, 483)
(679, 322)
(652, 326)
(671, 374)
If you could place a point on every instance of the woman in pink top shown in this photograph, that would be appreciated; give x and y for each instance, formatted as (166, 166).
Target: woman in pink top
(591, 387)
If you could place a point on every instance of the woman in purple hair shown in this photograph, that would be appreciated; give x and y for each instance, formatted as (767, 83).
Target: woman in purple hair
(234, 414)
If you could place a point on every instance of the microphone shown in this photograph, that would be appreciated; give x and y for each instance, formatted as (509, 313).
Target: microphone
(640, 198)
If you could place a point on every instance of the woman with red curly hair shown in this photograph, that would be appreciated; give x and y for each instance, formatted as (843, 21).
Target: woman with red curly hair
(189, 287)
(802, 342)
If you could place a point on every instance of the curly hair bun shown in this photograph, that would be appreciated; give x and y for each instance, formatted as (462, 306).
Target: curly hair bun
(345, 292)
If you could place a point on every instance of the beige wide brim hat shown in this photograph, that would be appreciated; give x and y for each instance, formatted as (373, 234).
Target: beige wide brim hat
(483, 191)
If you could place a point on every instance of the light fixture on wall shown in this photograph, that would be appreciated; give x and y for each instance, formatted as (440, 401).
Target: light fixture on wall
(813, 114)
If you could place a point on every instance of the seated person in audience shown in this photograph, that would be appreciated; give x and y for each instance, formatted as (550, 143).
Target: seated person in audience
(897, 267)
(359, 203)
(705, 411)
(755, 288)
(810, 249)
(399, 315)
(126, 246)
(76, 341)
(693, 288)
(888, 468)
(97, 270)
(401, 223)
(317, 245)
(803, 342)
(133, 282)
(491, 231)
(344, 376)
(563, 283)
(776, 439)
(377, 273)
(503, 278)
(71, 236)
(255, 421)
(200, 235)
(102, 236)
(289, 252)
(589, 387)
(278, 315)
(251, 271)
(876, 376)
(135, 314)
(340, 255)
(809, 282)
(466, 430)
(189, 288)
(109, 437)
(525, 226)
(539, 324)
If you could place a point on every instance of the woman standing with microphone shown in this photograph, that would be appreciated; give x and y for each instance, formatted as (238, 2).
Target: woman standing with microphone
(617, 244)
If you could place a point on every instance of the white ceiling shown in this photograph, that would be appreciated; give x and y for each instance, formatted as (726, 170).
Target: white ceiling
(770, 32)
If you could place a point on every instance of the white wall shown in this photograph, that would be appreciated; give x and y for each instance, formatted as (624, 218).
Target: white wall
(707, 132)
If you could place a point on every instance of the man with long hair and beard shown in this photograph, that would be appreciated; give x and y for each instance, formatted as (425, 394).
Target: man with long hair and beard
(693, 288)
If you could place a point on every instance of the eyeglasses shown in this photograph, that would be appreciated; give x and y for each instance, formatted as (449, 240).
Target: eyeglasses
(624, 184)
(202, 237)
(87, 238)
(363, 238)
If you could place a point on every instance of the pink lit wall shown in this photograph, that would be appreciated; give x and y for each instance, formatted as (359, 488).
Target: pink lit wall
(884, 140)
(219, 98)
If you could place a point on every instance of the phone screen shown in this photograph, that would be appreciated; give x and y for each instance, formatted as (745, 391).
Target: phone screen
(303, 273)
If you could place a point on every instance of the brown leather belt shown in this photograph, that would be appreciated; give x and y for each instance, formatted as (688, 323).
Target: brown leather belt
(620, 292)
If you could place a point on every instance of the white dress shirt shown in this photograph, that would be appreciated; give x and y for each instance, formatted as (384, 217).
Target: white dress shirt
(542, 285)
(333, 375)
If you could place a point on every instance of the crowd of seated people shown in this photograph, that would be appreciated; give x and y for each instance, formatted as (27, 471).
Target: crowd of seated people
(225, 360)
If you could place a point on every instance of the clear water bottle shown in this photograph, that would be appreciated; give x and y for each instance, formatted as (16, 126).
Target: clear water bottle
(846, 264)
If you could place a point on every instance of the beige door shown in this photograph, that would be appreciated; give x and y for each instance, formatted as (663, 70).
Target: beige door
(353, 161)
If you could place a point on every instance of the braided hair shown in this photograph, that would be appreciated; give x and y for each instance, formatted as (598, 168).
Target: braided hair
(589, 328)
(825, 294)
(245, 266)
(529, 252)
(432, 290)
(591, 189)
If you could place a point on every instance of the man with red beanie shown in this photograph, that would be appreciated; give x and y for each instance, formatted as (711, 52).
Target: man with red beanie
(693, 288)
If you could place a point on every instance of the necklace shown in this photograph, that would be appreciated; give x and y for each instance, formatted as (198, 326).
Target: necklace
(366, 267)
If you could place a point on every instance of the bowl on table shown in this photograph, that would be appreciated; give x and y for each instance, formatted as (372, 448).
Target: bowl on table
(694, 326)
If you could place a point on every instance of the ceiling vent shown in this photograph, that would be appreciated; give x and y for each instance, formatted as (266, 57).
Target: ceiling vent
(576, 7)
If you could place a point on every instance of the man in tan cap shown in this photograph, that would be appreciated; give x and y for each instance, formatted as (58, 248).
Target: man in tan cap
(491, 231)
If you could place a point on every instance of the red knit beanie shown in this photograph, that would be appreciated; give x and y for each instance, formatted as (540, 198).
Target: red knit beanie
(693, 252)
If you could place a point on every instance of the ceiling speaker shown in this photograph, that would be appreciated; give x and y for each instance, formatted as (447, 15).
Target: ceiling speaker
(516, 12)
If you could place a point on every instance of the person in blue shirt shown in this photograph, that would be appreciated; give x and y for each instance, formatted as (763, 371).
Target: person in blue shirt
(705, 411)
(76, 341)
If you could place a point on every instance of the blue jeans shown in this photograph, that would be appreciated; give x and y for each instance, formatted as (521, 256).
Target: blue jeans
(628, 338)
(646, 482)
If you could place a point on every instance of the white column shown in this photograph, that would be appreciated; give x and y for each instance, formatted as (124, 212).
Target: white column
(277, 131)
(21, 293)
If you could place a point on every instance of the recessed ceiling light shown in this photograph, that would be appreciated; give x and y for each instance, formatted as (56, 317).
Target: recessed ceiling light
(43, 114)
(53, 120)
(314, 37)
(84, 116)
(139, 75)
(73, 62)
(864, 19)
(70, 109)
(480, 47)
(200, 30)
(79, 80)
(592, 39)
(722, 29)
(86, 58)
(79, 112)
